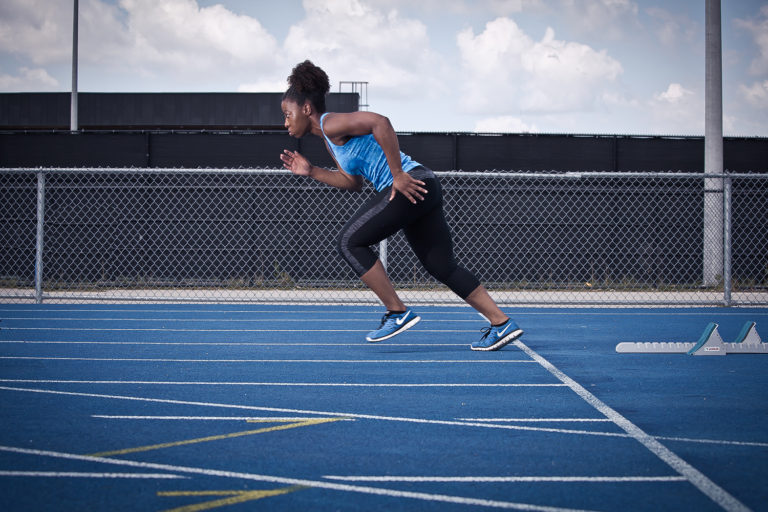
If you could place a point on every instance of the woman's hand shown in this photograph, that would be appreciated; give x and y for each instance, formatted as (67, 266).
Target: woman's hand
(411, 188)
(296, 163)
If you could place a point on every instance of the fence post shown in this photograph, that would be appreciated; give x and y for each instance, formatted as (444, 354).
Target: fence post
(713, 145)
(39, 237)
(727, 264)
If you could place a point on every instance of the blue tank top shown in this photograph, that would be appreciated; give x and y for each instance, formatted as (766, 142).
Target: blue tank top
(363, 156)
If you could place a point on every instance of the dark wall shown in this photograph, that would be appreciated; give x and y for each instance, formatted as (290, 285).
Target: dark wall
(441, 152)
(35, 111)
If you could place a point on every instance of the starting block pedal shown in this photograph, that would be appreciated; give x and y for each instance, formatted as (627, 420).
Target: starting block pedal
(710, 344)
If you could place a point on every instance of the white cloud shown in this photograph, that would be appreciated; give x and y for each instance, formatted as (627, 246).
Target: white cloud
(38, 30)
(756, 94)
(758, 27)
(675, 93)
(671, 28)
(351, 40)
(463, 7)
(264, 85)
(28, 79)
(504, 124)
(180, 34)
(506, 70)
(605, 18)
(677, 111)
(138, 38)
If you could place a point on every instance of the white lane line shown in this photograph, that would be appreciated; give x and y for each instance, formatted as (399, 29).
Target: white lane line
(480, 422)
(509, 479)
(202, 320)
(163, 329)
(293, 481)
(70, 474)
(693, 475)
(320, 413)
(228, 344)
(210, 418)
(222, 320)
(493, 420)
(547, 420)
(460, 310)
(320, 361)
(289, 384)
(713, 441)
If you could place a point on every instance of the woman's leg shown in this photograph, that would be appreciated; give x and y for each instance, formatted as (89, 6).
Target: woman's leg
(430, 238)
(378, 281)
(375, 221)
(486, 306)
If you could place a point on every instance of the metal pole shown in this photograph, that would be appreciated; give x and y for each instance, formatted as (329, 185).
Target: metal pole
(727, 208)
(39, 237)
(713, 147)
(73, 107)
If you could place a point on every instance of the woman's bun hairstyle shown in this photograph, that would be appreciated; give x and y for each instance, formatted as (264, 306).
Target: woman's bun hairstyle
(308, 82)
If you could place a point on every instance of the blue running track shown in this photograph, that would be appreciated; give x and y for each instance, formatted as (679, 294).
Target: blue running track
(245, 407)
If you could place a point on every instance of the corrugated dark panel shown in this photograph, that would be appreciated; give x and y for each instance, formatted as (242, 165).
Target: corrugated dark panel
(435, 151)
(34, 110)
(218, 150)
(153, 110)
(745, 155)
(73, 150)
(534, 153)
(659, 154)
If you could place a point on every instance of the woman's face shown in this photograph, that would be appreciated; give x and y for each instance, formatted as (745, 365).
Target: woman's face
(296, 118)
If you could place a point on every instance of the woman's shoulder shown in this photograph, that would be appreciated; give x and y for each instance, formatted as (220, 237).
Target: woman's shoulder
(349, 124)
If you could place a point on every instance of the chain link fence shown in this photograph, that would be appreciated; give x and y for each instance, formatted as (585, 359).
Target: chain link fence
(266, 236)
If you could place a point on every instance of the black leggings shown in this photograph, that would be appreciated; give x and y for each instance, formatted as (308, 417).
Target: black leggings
(425, 229)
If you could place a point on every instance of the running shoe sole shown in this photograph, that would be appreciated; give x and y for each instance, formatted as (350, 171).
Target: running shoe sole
(509, 338)
(404, 328)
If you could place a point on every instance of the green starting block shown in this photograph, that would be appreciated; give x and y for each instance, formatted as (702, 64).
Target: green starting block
(710, 344)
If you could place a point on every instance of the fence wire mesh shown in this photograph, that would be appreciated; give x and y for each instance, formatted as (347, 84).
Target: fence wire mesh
(260, 235)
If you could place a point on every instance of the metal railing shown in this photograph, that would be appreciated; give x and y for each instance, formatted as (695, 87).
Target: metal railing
(264, 235)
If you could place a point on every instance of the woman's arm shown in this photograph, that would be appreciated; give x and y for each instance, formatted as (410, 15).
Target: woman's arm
(299, 165)
(341, 126)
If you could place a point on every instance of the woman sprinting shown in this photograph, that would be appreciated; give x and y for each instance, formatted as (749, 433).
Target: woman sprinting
(409, 198)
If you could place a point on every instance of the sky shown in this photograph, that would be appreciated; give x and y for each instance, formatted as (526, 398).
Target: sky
(520, 66)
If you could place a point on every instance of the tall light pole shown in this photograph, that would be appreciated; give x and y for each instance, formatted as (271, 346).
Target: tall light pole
(713, 147)
(73, 107)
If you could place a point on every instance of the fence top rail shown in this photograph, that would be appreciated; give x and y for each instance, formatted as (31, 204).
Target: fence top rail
(457, 174)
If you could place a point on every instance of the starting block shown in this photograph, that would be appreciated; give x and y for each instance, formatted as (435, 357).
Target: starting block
(710, 344)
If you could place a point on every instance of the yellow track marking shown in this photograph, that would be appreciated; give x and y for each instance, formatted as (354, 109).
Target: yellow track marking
(314, 421)
(236, 497)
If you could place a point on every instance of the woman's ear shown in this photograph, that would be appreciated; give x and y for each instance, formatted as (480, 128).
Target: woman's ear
(307, 109)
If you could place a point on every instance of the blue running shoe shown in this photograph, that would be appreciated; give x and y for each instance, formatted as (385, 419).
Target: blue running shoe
(496, 337)
(393, 324)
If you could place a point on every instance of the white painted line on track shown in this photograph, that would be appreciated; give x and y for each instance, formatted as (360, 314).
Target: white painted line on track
(210, 418)
(479, 422)
(320, 413)
(289, 384)
(693, 475)
(70, 474)
(713, 441)
(509, 479)
(230, 344)
(502, 420)
(222, 320)
(466, 423)
(319, 361)
(440, 498)
(460, 310)
(162, 329)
